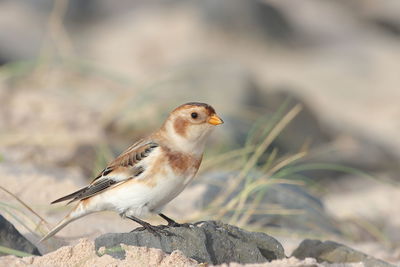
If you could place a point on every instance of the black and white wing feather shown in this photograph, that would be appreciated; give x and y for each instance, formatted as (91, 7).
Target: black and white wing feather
(123, 168)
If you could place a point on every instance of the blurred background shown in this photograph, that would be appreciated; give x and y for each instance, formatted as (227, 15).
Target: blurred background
(309, 91)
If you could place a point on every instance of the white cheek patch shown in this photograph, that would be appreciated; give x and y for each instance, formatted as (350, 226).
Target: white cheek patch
(194, 141)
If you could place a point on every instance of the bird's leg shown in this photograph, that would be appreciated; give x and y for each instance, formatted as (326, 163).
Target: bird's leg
(155, 230)
(172, 223)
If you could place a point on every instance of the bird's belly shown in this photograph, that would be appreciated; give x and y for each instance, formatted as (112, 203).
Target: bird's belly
(137, 198)
(165, 191)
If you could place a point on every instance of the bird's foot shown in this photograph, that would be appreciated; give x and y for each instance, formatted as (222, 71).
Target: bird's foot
(155, 230)
(175, 224)
(172, 223)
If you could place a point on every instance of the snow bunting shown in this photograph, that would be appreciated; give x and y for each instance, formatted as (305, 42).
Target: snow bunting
(151, 172)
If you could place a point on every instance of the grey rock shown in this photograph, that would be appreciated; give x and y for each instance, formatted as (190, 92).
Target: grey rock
(11, 238)
(333, 252)
(211, 241)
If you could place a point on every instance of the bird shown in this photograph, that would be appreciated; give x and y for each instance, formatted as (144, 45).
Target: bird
(150, 173)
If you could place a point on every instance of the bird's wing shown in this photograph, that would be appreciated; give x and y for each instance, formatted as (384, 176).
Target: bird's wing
(124, 167)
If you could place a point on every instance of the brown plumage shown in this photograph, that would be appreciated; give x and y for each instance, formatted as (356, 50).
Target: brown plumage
(180, 126)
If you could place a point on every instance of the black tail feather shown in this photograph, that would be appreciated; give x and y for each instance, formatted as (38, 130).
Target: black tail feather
(70, 196)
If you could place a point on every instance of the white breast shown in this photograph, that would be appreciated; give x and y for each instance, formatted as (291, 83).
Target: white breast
(168, 187)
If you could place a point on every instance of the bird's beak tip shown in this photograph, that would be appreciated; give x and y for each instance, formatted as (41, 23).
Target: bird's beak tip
(215, 120)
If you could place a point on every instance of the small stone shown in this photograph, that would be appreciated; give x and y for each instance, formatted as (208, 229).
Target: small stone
(102, 250)
(333, 252)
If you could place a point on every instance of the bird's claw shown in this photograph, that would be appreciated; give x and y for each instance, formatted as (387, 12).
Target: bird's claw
(155, 230)
(175, 224)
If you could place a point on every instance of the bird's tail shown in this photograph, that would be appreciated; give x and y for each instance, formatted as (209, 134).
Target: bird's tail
(75, 214)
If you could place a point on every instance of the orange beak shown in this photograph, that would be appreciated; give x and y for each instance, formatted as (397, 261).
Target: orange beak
(215, 120)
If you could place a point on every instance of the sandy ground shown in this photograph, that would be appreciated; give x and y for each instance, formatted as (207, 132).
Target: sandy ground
(83, 254)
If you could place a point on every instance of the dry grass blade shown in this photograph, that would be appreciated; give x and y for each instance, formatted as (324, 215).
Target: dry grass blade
(240, 200)
(6, 207)
(373, 230)
(270, 138)
(244, 195)
(24, 204)
(285, 162)
(259, 151)
(251, 210)
(17, 219)
(270, 160)
(260, 183)
(14, 252)
(211, 162)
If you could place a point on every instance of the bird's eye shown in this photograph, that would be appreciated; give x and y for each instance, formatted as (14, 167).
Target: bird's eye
(194, 115)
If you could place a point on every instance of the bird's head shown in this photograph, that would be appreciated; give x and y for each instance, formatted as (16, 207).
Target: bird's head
(189, 125)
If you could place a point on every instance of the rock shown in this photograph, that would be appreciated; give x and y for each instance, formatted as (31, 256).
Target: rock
(333, 252)
(211, 242)
(11, 238)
